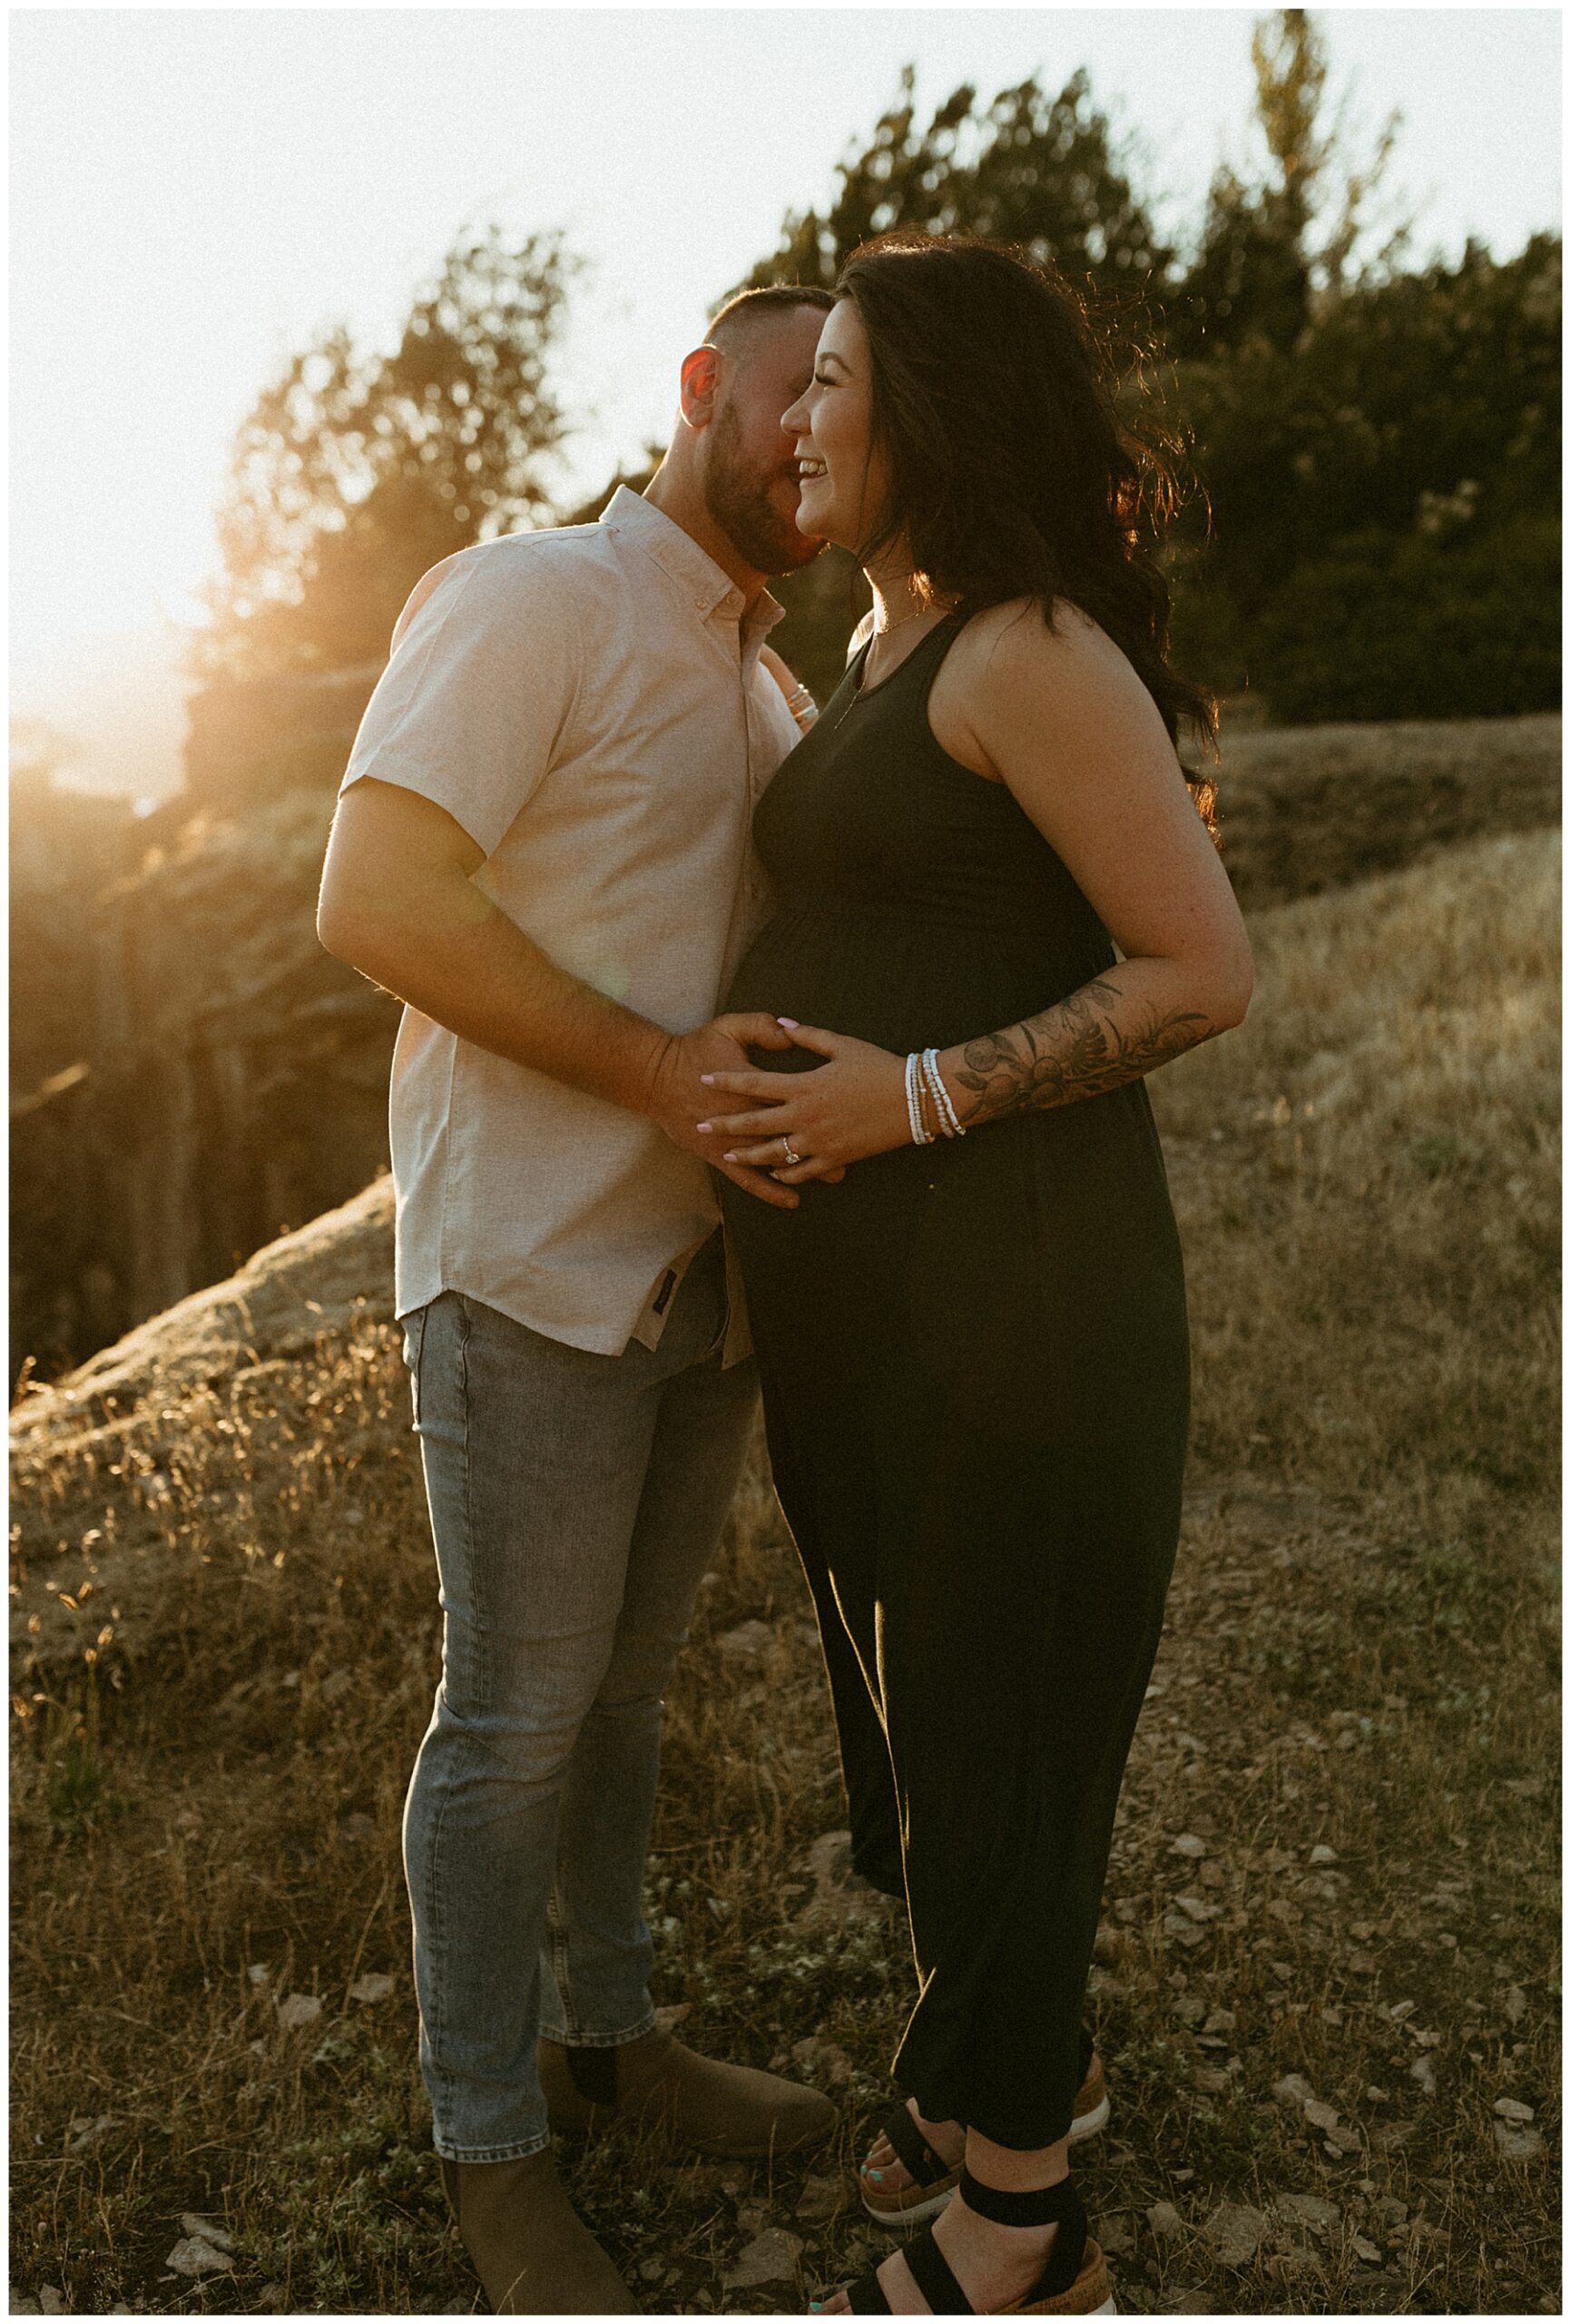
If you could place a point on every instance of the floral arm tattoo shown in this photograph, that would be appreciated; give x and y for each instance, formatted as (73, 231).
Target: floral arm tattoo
(1074, 1049)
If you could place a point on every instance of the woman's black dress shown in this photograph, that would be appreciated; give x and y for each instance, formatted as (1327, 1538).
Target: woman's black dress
(974, 1358)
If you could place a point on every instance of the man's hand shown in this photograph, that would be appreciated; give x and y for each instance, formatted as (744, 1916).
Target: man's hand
(843, 1111)
(678, 1096)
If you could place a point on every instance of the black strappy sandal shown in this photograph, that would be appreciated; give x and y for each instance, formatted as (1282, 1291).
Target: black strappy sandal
(933, 2180)
(1074, 2282)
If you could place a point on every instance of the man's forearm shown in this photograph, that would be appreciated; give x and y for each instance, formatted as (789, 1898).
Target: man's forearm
(479, 975)
(400, 902)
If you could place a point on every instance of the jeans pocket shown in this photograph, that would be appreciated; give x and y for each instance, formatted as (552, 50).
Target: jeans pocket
(413, 1327)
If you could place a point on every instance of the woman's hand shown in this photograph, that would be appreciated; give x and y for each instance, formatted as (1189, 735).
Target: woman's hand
(851, 1106)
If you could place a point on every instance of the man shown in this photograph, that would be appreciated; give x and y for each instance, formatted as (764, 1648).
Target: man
(542, 846)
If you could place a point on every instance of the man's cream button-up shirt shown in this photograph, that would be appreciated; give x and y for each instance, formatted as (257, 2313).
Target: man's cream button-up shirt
(583, 702)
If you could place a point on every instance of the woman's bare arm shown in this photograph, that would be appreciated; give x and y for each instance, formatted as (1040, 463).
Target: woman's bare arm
(1061, 718)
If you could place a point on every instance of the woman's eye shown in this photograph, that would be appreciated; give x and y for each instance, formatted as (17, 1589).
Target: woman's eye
(821, 381)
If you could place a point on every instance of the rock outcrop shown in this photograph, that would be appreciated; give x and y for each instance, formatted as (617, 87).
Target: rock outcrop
(318, 1280)
(285, 1319)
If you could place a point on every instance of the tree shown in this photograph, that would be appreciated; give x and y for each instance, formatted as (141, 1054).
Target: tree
(1031, 168)
(358, 469)
(1271, 253)
(1384, 499)
(1376, 536)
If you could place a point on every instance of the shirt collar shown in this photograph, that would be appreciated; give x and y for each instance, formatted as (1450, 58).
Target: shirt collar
(711, 587)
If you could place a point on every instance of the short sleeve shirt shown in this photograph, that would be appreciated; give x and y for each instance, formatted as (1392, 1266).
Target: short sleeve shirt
(589, 704)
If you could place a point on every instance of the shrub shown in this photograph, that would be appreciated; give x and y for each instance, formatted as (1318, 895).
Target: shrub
(1443, 623)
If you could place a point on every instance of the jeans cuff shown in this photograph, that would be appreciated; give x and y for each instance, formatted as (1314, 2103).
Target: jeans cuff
(518, 2150)
(580, 2040)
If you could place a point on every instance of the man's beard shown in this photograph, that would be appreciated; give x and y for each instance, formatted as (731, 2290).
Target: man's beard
(739, 505)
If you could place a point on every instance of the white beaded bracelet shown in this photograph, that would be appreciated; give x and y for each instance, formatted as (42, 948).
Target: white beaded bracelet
(920, 1135)
(953, 1126)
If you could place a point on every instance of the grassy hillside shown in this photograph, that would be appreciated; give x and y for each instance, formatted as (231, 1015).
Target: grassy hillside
(1327, 1984)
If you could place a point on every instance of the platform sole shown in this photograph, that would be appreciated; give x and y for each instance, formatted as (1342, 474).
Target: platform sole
(1081, 2299)
(1085, 2126)
(916, 2214)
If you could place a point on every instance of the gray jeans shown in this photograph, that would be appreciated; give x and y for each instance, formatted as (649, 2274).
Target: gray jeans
(577, 1500)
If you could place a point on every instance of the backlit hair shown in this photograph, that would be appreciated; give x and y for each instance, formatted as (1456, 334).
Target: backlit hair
(1011, 474)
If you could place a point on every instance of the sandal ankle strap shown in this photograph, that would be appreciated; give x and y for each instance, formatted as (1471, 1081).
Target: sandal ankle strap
(1029, 2207)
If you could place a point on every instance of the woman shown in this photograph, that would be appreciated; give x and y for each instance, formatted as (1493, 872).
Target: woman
(975, 1346)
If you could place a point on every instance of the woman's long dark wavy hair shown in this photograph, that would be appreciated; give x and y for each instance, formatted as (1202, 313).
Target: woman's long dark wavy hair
(1011, 475)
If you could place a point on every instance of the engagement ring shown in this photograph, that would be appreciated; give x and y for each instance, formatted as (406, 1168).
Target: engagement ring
(791, 1155)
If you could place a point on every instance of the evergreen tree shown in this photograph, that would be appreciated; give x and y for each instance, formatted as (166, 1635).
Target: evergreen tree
(1269, 255)
(1030, 168)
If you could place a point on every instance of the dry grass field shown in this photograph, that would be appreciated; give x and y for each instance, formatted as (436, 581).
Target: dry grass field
(1326, 1981)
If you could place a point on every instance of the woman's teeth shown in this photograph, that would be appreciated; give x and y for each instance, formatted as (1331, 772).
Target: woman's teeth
(808, 468)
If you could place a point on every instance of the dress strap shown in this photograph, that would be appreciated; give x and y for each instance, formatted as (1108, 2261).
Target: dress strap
(857, 665)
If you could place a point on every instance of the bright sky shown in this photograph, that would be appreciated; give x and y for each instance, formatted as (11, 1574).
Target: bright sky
(195, 192)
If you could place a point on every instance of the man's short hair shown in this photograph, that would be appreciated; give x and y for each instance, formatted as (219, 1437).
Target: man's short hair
(733, 323)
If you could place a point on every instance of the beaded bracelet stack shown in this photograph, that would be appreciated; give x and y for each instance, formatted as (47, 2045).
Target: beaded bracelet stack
(922, 1075)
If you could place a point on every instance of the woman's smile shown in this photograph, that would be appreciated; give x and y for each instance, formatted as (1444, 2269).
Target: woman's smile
(838, 494)
(815, 494)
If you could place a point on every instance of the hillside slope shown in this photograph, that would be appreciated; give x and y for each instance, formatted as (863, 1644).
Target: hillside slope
(1326, 1989)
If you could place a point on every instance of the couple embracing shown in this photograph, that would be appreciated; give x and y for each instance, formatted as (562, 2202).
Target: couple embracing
(748, 1048)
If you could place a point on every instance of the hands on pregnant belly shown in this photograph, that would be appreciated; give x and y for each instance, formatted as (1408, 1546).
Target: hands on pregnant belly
(813, 1125)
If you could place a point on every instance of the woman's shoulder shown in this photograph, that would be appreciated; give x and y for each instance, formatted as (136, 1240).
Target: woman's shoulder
(1019, 631)
(1012, 679)
(1014, 646)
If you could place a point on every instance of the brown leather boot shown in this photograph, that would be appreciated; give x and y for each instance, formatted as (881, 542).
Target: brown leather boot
(531, 2251)
(699, 2102)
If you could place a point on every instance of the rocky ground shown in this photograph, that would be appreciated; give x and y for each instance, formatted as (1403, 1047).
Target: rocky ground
(1326, 1981)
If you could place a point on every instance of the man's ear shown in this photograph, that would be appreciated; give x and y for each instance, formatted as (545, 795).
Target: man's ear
(700, 379)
